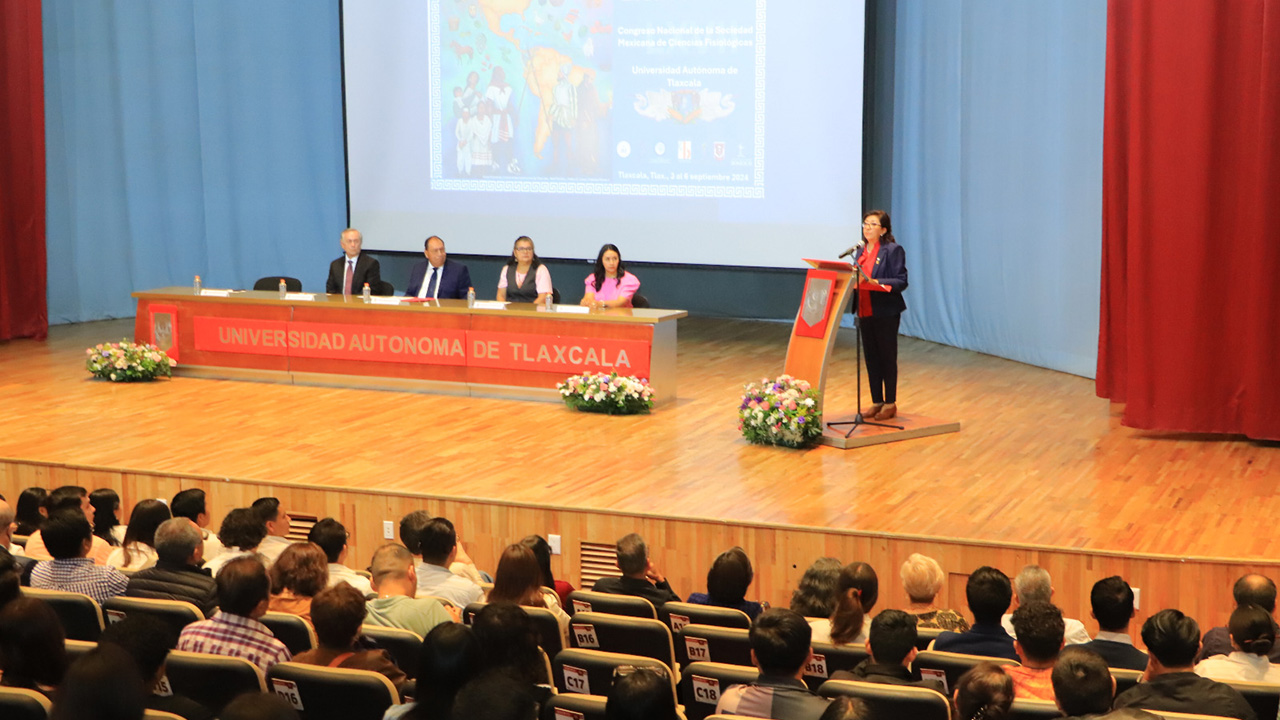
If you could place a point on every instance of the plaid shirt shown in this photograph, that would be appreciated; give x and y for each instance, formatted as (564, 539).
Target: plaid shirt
(234, 636)
(79, 575)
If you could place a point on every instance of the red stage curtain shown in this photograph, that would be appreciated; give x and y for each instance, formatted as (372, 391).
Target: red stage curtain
(1190, 326)
(23, 308)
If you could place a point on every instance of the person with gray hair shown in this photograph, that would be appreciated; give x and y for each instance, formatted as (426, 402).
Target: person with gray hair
(177, 574)
(640, 577)
(1033, 584)
(922, 578)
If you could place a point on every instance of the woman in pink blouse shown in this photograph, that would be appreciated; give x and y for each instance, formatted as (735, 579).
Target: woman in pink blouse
(610, 286)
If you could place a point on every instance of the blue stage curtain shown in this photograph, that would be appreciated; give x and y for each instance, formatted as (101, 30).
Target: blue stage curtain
(189, 138)
(997, 175)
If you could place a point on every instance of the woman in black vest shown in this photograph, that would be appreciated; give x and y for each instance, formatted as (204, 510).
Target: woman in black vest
(524, 278)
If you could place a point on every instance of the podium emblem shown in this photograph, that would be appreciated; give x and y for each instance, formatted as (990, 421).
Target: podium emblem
(163, 330)
(817, 293)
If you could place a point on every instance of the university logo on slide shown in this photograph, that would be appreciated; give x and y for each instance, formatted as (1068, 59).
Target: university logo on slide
(685, 151)
(717, 150)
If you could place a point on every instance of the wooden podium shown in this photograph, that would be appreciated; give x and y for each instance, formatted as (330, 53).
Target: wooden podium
(828, 290)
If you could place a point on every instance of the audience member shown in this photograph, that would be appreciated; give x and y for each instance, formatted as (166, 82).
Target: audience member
(494, 696)
(331, 537)
(67, 497)
(1252, 637)
(240, 534)
(137, 550)
(177, 574)
(450, 658)
(984, 692)
(1251, 589)
(7, 530)
(191, 504)
(31, 511)
(435, 542)
(1034, 584)
(1170, 682)
(148, 640)
(103, 684)
(243, 594)
(815, 596)
(106, 516)
(542, 550)
(33, 648)
(843, 707)
(519, 580)
(922, 578)
(892, 649)
(988, 593)
(1040, 628)
(857, 589)
(337, 613)
(260, 706)
(276, 522)
(779, 648)
(10, 578)
(644, 693)
(300, 572)
(1112, 601)
(1084, 688)
(640, 577)
(727, 582)
(68, 537)
(509, 642)
(395, 580)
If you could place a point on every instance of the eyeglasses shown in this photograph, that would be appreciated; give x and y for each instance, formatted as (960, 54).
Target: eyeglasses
(524, 249)
(620, 671)
(866, 224)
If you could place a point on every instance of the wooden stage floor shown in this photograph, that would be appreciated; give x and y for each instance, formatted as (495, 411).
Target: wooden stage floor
(1040, 460)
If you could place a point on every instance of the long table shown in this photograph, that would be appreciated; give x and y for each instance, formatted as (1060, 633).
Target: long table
(520, 351)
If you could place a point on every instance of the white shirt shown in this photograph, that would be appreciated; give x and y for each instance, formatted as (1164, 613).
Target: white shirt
(426, 281)
(1114, 637)
(341, 573)
(141, 557)
(822, 632)
(213, 547)
(215, 565)
(1239, 666)
(1073, 634)
(271, 547)
(437, 581)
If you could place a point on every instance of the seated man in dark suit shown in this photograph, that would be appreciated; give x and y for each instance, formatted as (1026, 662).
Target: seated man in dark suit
(1083, 687)
(1112, 601)
(349, 273)
(1171, 682)
(1250, 589)
(989, 593)
(438, 276)
(892, 646)
(177, 574)
(640, 577)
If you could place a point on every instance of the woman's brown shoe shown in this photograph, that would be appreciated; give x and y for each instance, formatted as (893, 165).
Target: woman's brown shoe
(888, 412)
(871, 412)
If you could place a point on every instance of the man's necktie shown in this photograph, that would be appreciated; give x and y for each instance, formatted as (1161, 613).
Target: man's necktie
(351, 273)
(431, 285)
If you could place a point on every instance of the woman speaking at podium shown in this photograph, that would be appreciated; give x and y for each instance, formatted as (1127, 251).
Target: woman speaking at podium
(884, 261)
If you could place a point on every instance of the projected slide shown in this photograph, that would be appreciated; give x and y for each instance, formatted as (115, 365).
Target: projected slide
(631, 98)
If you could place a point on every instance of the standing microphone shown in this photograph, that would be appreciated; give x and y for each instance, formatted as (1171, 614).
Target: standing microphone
(853, 249)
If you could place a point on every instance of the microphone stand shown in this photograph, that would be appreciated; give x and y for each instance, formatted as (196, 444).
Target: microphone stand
(857, 326)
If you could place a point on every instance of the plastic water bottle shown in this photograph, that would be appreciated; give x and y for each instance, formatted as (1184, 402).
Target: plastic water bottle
(548, 301)
(284, 289)
(471, 297)
(198, 286)
(367, 292)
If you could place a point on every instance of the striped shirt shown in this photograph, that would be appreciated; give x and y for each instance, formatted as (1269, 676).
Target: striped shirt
(79, 575)
(234, 636)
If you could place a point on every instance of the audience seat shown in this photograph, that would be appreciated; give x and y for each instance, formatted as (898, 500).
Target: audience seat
(150, 714)
(702, 682)
(711, 643)
(273, 283)
(954, 664)
(22, 704)
(926, 636)
(622, 634)
(177, 614)
(1029, 709)
(76, 648)
(1263, 697)
(1125, 679)
(293, 630)
(573, 706)
(678, 614)
(549, 637)
(212, 680)
(897, 701)
(639, 301)
(403, 645)
(828, 658)
(1170, 715)
(580, 600)
(19, 540)
(569, 667)
(326, 692)
(80, 615)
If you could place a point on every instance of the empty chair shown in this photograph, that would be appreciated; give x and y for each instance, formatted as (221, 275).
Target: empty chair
(678, 614)
(1029, 709)
(898, 701)
(954, 664)
(22, 704)
(80, 615)
(1264, 698)
(590, 707)
(590, 672)
(639, 301)
(609, 603)
(828, 658)
(712, 643)
(328, 692)
(404, 646)
(549, 637)
(177, 614)
(212, 680)
(294, 631)
(623, 634)
(383, 288)
(701, 684)
(273, 283)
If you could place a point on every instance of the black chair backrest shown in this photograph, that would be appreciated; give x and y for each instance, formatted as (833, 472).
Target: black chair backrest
(326, 692)
(1028, 709)
(573, 706)
(639, 301)
(925, 636)
(678, 614)
(273, 283)
(954, 664)
(580, 600)
(701, 684)
(555, 296)
(712, 643)
(590, 672)
(1125, 678)
(828, 658)
(384, 289)
(896, 701)
(404, 646)
(293, 630)
(623, 634)
(76, 648)
(212, 680)
(80, 615)
(1264, 698)
(23, 704)
(549, 637)
(177, 614)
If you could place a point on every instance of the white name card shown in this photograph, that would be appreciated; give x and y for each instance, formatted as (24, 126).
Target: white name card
(697, 648)
(585, 636)
(488, 305)
(215, 293)
(575, 680)
(303, 297)
(580, 309)
(288, 690)
(817, 666)
(706, 690)
(383, 300)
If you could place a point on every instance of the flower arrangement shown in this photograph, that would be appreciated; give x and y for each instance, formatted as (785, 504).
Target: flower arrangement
(784, 411)
(607, 393)
(128, 362)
